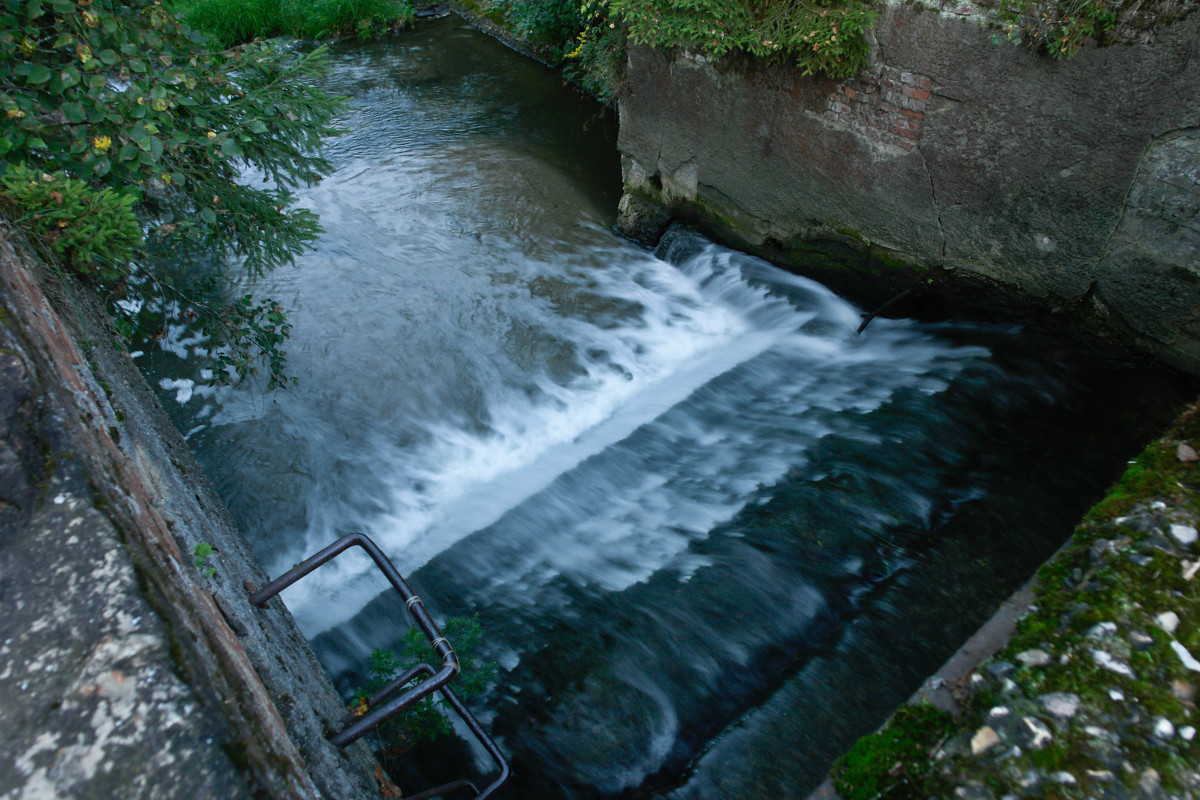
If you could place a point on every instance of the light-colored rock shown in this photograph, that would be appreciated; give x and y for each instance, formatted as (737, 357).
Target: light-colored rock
(1116, 695)
(1034, 658)
(1063, 777)
(1061, 705)
(1163, 728)
(984, 739)
(1102, 630)
(1039, 733)
(1168, 621)
(1184, 534)
(1111, 663)
(1186, 453)
(1187, 733)
(1186, 657)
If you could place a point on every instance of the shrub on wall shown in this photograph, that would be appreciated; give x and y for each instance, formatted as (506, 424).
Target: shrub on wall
(128, 102)
(826, 37)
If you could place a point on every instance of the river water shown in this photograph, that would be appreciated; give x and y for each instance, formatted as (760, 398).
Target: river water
(711, 533)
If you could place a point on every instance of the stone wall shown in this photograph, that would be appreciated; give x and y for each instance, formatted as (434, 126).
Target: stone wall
(125, 671)
(954, 162)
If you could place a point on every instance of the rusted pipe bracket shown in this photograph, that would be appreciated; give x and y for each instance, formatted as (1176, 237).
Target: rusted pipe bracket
(394, 698)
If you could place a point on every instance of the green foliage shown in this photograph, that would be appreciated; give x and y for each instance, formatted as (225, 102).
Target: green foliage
(553, 23)
(200, 559)
(825, 37)
(232, 22)
(92, 231)
(894, 762)
(126, 98)
(597, 63)
(1061, 27)
(426, 720)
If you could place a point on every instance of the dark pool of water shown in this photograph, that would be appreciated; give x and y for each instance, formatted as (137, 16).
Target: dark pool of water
(712, 534)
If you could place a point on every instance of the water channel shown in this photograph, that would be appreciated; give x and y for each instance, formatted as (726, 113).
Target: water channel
(711, 533)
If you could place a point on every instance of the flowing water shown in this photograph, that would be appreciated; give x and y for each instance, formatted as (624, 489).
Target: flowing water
(712, 534)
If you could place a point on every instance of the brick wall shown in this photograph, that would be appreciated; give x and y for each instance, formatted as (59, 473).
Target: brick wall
(886, 107)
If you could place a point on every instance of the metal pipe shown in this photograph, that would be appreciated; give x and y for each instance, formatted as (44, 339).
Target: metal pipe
(382, 706)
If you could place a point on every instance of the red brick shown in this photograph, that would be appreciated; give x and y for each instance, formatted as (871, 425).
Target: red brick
(924, 83)
(907, 134)
(920, 94)
(851, 93)
(917, 115)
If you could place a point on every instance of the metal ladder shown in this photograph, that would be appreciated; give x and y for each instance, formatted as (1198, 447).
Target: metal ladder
(393, 698)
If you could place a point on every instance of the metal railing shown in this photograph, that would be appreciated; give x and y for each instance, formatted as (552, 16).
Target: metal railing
(394, 698)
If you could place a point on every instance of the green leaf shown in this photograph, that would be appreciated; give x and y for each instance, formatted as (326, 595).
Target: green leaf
(74, 112)
(69, 77)
(39, 74)
(128, 152)
(257, 126)
(109, 57)
(208, 215)
(231, 148)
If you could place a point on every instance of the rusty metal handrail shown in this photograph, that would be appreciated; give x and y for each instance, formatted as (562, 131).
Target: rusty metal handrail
(467, 717)
(383, 706)
(415, 607)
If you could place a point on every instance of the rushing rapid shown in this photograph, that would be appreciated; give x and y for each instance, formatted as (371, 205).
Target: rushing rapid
(711, 532)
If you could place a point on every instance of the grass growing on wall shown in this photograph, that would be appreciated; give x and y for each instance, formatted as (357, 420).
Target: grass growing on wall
(825, 37)
(232, 22)
(1061, 27)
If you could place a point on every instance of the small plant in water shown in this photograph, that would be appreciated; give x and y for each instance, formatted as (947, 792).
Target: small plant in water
(425, 720)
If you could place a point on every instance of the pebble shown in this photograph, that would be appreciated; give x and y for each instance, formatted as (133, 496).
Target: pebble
(1187, 658)
(1150, 782)
(1141, 641)
(1102, 775)
(1183, 690)
(1109, 662)
(1102, 734)
(1190, 568)
(1061, 705)
(1116, 694)
(1187, 733)
(1038, 730)
(1163, 728)
(998, 712)
(1186, 453)
(1184, 534)
(1065, 778)
(984, 739)
(1034, 658)
(1102, 630)
(1168, 621)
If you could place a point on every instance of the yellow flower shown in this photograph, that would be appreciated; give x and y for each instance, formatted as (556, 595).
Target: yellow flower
(27, 46)
(211, 134)
(166, 178)
(161, 105)
(101, 143)
(15, 113)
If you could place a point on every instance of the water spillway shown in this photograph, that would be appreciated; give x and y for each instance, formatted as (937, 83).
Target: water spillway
(701, 519)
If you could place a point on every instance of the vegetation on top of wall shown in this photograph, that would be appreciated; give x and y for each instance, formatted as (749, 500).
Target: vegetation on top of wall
(1061, 27)
(825, 37)
(122, 100)
(232, 22)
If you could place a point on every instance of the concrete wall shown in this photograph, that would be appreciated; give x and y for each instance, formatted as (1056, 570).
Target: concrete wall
(124, 670)
(1071, 186)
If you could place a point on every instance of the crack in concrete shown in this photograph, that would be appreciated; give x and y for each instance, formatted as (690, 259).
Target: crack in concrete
(937, 208)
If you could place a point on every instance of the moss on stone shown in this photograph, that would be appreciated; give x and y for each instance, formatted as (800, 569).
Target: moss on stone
(1094, 634)
(895, 761)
